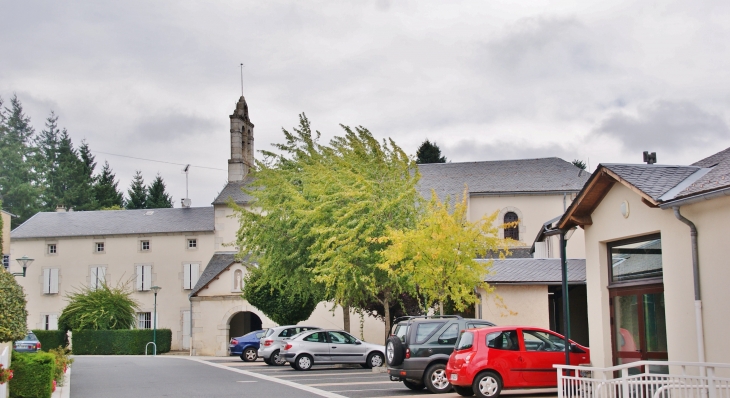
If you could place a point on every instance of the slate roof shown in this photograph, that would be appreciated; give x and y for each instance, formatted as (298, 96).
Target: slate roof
(217, 264)
(535, 271)
(652, 179)
(501, 176)
(515, 252)
(116, 222)
(718, 177)
(232, 190)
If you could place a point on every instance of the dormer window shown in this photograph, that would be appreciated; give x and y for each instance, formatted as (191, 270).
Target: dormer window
(513, 231)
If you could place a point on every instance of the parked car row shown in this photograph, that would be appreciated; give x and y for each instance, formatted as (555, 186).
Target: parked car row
(304, 346)
(475, 357)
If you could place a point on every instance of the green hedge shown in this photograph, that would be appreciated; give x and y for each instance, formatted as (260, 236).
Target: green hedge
(51, 339)
(118, 342)
(32, 375)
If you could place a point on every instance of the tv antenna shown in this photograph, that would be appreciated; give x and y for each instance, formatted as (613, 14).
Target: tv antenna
(186, 201)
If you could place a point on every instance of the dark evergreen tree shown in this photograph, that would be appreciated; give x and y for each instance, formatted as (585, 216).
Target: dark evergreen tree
(47, 144)
(429, 153)
(19, 186)
(137, 193)
(579, 164)
(85, 179)
(106, 189)
(157, 198)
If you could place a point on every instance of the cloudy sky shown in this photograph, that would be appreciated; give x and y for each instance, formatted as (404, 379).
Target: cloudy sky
(600, 81)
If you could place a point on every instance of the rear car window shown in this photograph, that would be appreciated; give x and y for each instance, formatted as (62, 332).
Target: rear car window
(260, 334)
(317, 337)
(466, 340)
(401, 331)
(425, 330)
(449, 336)
(269, 332)
(506, 340)
(30, 337)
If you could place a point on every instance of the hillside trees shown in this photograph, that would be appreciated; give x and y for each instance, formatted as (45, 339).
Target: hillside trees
(320, 208)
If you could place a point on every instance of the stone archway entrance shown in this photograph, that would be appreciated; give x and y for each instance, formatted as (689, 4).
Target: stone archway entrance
(242, 323)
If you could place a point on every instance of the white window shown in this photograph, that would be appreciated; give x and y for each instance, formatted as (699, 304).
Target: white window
(97, 277)
(50, 281)
(99, 247)
(52, 248)
(144, 277)
(144, 320)
(50, 322)
(192, 243)
(6, 261)
(190, 275)
(145, 245)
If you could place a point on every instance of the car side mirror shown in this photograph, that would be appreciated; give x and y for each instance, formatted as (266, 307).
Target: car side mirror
(575, 349)
(358, 342)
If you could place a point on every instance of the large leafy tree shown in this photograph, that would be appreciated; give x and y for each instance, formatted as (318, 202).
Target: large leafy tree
(438, 255)
(12, 308)
(106, 189)
(429, 152)
(157, 198)
(282, 307)
(18, 176)
(320, 209)
(137, 193)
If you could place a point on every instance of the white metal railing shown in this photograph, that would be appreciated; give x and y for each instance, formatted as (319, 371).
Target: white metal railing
(5, 361)
(645, 379)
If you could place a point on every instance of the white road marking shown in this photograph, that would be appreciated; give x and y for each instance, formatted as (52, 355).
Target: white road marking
(247, 381)
(350, 383)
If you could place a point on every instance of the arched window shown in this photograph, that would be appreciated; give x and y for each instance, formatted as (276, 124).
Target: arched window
(512, 232)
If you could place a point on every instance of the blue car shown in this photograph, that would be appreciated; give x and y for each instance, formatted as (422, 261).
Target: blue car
(246, 346)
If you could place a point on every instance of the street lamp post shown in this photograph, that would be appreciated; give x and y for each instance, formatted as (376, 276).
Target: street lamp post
(154, 320)
(25, 263)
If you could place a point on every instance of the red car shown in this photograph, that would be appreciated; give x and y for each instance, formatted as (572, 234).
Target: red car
(487, 360)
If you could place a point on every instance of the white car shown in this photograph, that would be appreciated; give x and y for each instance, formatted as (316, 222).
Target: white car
(273, 342)
(319, 347)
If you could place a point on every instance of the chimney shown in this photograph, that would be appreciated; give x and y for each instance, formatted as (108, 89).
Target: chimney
(649, 158)
(60, 209)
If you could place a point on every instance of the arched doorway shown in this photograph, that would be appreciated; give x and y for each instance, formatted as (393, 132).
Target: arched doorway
(242, 323)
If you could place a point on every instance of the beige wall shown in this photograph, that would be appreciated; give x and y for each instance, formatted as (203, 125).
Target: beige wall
(75, 256)
(533, 211)
(6, 232)
(517, 305)
(226, 227)
(711, 219)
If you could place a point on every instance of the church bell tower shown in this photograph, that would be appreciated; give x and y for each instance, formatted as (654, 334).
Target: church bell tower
(242, 159)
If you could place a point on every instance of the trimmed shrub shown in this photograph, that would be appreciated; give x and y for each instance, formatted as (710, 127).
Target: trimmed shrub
(33, 375)
(12, 308)
(119, 342)
(51, 339)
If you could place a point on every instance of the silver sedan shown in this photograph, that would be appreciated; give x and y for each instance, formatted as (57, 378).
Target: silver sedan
(331, 346)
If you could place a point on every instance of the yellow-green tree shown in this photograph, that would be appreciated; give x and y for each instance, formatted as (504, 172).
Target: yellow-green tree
(439, 254)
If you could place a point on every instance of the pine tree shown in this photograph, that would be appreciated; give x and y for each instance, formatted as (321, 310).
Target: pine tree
(157, 198)
(429, 153)
(84, 179)
(106, 189)
(137, 193)
(19, 186)
(48, 142)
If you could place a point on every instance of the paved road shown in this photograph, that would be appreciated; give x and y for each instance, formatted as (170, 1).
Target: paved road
(353, 382)
(119, 376)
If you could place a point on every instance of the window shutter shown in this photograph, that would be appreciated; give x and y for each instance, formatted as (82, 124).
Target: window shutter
(46, 281)
(93, 278)
(53, 322)
(194, 274)
(187, 276)
(101, 276)
(540, 250)
(140, 269)
(54, 281)
(147, 273)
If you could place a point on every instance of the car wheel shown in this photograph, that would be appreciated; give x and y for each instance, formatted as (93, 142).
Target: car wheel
(394, 351)
(267, 361)
(293, 366)
(464, 391)
(413, 385)
(487, 385)
(435, 379)
(276, 359)
(303, 362)
(375, 360)
(249, 355)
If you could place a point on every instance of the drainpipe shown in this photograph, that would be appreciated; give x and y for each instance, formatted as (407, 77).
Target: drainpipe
(191, 325)
(696, 275)
(566, 304)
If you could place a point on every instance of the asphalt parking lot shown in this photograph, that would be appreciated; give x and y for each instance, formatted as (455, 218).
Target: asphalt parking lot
(353, 382)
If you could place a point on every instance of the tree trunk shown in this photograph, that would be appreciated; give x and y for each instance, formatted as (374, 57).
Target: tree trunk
(346, 317)
(441, 307)
(386, 307)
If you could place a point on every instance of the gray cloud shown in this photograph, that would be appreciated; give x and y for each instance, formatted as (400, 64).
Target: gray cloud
(470, 150)
(666, 125)
(172, 127)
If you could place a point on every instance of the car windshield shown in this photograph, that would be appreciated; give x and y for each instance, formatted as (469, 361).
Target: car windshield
(258, 334)
(466, 340)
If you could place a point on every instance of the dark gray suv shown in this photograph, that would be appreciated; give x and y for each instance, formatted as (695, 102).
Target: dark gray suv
(419, 348)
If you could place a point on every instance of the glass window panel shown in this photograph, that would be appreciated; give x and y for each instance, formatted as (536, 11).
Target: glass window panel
(655, 323)
(317, 337)
(466, 340)
(627, 323)
(448, 337)
(424, 330)
(636, 261)
(506, 340)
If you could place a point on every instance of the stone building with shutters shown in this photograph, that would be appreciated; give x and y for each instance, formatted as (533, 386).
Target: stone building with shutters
(191, 252)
